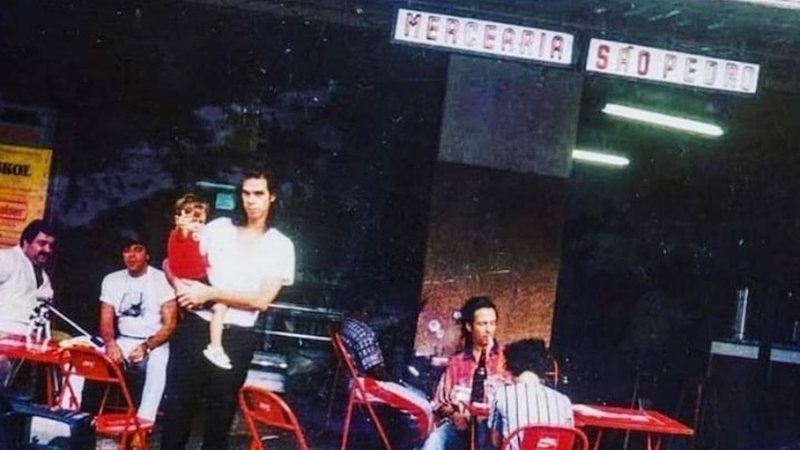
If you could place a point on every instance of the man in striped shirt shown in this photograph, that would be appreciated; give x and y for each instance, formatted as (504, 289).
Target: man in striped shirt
(527, 401)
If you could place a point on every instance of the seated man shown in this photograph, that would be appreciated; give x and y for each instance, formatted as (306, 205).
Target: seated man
(142, 304)
(478, 326)
(527, 401)
(23, 279)
(362, 344)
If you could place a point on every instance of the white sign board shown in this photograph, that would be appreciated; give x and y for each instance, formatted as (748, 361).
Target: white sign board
(636, 61)
(491, 38)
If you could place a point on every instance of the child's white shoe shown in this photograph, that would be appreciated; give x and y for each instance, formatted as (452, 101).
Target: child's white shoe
(218, 357)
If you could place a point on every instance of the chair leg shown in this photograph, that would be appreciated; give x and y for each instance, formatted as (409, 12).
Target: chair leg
(335, 384)
(145, 441)
(300, 439)
(346, 426)
(378, 426)
(255, 438)
(697, 418)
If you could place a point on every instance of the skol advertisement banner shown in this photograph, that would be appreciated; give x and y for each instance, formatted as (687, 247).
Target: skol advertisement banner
(24, 175)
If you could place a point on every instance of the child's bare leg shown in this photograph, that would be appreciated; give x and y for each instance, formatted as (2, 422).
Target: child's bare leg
(214, 352)
(217, 324)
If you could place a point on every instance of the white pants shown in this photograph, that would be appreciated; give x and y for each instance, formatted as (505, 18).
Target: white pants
(154, 381)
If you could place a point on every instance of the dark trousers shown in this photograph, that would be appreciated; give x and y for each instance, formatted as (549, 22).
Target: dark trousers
(193, 380)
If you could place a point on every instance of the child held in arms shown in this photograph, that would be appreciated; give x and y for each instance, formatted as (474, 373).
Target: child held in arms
(186, 260)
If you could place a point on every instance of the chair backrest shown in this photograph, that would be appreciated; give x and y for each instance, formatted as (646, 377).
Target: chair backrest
(94, 366)
(260, 406)
(358, 389)
(546, 437)
(553, 374)
(343, 354)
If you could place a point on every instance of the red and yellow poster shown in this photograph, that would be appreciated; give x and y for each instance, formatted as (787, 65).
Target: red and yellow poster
(24, 174)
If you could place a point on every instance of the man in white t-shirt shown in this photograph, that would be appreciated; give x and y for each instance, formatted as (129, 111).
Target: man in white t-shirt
(140, 301)
(248, 264)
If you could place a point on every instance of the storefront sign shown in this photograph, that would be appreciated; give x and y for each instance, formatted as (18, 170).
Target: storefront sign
(667, 66)
(491, 38)
(24, 175)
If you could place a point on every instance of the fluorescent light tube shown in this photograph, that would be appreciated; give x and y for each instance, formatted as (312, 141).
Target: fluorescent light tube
(601, 158)
(788, 4)
(652, 117)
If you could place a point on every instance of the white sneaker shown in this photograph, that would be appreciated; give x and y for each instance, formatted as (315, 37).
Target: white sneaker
(218, 357)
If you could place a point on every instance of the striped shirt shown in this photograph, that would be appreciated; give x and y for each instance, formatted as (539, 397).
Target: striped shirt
(528, 402)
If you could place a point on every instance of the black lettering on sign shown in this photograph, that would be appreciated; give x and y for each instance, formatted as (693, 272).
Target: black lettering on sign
(17, 170)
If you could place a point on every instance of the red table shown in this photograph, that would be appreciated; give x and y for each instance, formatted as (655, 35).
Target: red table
(653, 423)
(14, 347)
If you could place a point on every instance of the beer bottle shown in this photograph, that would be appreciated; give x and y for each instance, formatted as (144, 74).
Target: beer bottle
(479, 380)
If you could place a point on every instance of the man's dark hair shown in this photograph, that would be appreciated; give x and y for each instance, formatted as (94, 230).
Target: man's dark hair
(128, 238)
(33, 229)
(361, 302)
(468, 314)
(239, 217)
(526, 355)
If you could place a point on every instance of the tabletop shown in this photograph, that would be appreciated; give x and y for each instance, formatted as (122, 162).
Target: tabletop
(619, 418)
(15, 346)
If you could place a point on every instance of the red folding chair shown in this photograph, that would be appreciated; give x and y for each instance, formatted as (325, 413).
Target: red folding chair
(112, 420)
(546, 437)
(359, 392)
(262, 407)
(553, 372)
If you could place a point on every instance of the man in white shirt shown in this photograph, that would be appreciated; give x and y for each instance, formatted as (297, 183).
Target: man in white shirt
(141, 303)
(248, 264)
(23, 278)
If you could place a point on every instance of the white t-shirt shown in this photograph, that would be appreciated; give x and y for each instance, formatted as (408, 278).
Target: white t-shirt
(230, 268)
(137, 301)
(18, 290)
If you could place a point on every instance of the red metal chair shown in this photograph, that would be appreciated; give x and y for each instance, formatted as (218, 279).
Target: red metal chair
(112, 420)
(546, 437)
(262, 407)
(553, 373)
(359, 392)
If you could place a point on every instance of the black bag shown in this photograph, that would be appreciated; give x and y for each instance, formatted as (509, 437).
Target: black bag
(16, 414)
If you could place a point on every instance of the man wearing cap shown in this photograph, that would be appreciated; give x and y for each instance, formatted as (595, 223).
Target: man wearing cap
(142, 304)
(23, 278)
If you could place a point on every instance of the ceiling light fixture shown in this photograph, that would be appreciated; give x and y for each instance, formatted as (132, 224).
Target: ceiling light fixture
(664, 120)
(787, 4)
(601, 158)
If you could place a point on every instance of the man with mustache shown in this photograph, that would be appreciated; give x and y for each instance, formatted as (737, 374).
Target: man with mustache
(23, 278)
